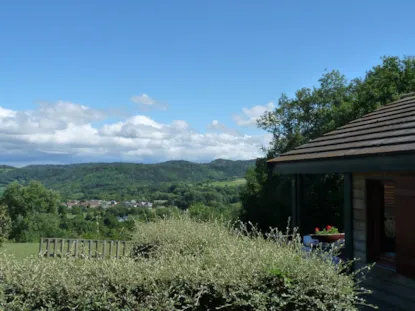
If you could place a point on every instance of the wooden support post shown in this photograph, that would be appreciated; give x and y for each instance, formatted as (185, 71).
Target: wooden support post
(348, 214)
(296, 200)
(90, 249)
(111, 243)
(96, 248)
(69, 248)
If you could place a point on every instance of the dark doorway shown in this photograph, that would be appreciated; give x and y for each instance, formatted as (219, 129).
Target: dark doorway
(381, 241)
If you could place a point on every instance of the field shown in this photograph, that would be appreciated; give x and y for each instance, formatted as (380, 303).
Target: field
(229, 183)
(20, 250)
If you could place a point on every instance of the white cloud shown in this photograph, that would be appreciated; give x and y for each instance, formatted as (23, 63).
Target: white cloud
(65, 132)
(250, 116)
(146, 102)
(217, 126)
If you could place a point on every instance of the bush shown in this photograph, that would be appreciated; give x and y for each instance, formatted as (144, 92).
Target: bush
(188, 265)
(5, 223)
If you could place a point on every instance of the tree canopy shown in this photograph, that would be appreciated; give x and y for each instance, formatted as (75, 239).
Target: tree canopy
(310, 113)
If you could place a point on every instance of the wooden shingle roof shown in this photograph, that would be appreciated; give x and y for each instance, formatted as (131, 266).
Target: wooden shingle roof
(388, 130)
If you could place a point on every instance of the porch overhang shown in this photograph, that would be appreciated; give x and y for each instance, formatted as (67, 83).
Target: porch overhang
(374, 163)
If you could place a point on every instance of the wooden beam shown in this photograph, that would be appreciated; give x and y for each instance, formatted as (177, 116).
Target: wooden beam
(385, 163)
(348, 214)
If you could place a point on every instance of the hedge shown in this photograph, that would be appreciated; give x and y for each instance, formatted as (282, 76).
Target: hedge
(181, 264)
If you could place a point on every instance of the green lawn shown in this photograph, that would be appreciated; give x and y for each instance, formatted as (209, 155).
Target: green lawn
(229, 183)
(21, 250)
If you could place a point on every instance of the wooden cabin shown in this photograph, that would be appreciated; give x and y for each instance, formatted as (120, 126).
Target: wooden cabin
(376, 154)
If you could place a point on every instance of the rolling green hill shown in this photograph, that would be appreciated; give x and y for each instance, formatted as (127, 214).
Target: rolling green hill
(93, 179)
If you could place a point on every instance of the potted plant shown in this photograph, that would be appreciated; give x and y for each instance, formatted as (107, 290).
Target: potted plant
(329, 234)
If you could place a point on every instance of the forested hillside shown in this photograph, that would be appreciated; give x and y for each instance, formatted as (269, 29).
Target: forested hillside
(122, 180)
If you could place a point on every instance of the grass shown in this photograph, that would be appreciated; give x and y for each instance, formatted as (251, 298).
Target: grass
(20, 250)
(229, 183)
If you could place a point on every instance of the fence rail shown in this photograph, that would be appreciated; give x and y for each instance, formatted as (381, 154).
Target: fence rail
(79, 248)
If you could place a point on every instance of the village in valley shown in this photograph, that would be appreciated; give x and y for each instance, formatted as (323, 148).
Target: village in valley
(112, 203)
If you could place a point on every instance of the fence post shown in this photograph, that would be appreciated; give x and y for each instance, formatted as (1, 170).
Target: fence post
(69, 248)
(41, 246)
(62, 244)
(90, 248)
(104, 248)
(118, 250)
(47, 247)
(55, 246)
(111, 243)
(76, 248)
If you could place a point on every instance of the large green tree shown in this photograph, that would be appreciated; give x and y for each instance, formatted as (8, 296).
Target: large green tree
(28, 206)
(34, 198)
(310, 113)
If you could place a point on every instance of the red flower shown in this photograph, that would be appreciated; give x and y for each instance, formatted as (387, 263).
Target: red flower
(317, 229)
(328, 228)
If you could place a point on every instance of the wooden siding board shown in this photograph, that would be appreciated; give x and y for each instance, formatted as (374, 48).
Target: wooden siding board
(360, 255)
(358, 204)
(359, 224)
(359, 194)
(359, 235)
(359, 215)
(359, 245)
(359, 219)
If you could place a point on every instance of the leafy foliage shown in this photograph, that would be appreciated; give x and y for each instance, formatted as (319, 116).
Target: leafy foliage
(192, 266)
(122, 181)
(37, 211)
(308, 115)
(5, 223)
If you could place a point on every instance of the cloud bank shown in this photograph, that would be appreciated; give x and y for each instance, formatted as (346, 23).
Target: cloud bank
(250, 116)
(65, 132)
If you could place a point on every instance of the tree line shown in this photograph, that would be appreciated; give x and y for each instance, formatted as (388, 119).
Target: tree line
(29, 212)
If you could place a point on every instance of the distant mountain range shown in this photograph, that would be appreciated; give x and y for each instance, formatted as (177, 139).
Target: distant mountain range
(81, 178)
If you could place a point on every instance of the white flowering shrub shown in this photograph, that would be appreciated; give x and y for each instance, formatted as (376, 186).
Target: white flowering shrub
(181, 264)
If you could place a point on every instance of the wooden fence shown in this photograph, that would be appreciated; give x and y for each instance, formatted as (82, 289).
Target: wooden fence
(98, 249)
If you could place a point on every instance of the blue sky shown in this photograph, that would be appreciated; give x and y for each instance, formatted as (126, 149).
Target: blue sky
(143, 81)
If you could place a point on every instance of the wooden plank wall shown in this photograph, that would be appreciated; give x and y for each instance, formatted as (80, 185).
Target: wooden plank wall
(391, 291)
(359, 217)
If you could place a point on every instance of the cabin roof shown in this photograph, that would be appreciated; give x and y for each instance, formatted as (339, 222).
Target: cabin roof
(389, 130)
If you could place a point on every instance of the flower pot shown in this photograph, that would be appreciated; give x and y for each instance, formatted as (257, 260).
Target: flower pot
(328, 238)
